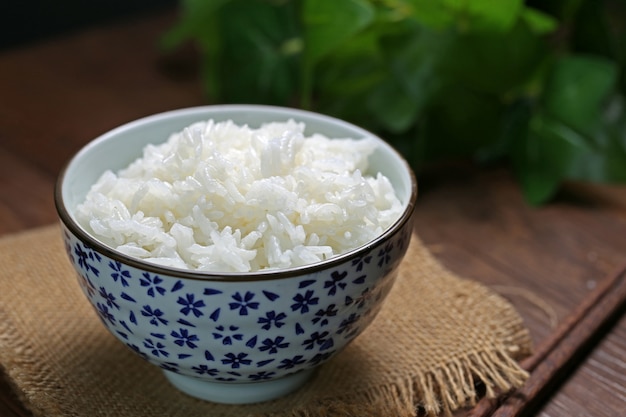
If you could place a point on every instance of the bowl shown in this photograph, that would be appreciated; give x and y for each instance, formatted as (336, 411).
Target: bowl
(231, 338)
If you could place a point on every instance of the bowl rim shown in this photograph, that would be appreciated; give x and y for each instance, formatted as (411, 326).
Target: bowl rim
(211, 276)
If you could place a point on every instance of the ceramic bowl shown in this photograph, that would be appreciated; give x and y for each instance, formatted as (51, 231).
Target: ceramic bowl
(231, 338)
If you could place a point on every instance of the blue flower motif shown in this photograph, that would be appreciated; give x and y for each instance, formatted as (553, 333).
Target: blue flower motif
(123, 323)
(228, 339)
(190, 305)
(85, 256)
(290, 363)
(384, 254)
(243, 303)
(321, 315)
(261, 375)
(360, 262)
(271, 318)
(335, 282)
(156, 315)
(105, 314)
(262, 363)
(157, 349)
(347, 324)
(67, 245)
(183, 337)
(302, 302)
(119, 273)
(320, 357)
(109, 298)
(87, 285)
(137, 350)
(177, 286)
(315, 339)
(402, 240)
(204, 369)
(273, 345)
(152, 282)
(360, 301)
(169, 366)
(235, 361)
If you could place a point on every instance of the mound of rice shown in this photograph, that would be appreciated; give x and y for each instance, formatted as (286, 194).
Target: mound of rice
(226, 198)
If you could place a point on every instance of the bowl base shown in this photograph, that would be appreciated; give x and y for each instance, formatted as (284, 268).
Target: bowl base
(238, 393)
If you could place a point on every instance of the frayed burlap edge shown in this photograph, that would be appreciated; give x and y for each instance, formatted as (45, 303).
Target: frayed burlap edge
(440, 391)
(451, 385)
(448, 387)
(19, 356)
(443, 389)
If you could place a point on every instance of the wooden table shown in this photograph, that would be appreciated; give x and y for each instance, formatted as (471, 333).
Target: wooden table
(57, 95)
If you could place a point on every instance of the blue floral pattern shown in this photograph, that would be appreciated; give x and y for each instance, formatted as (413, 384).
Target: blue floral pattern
(237, 331)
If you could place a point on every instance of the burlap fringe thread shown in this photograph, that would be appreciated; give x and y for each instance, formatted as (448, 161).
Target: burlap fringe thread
(455, 383)
(439, 392)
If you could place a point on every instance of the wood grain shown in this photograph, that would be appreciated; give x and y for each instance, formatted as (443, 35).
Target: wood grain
(556, 254)
(553, 357)
(57, 95)
(574, 342)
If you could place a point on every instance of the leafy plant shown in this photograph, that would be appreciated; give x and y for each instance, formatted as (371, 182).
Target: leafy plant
(538, 85)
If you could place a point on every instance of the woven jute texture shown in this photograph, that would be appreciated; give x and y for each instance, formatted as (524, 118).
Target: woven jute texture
(436, 337)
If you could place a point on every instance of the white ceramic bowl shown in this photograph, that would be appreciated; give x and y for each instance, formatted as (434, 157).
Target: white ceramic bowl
(233, 338)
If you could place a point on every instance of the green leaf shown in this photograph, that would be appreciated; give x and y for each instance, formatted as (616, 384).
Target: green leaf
(559, 147)
(413, 59)
(489, 15)
(329, 23)
(354, 67)
(513, 131)
(495, 63)
(576, 89)
(199, 23)
(257, 63)
(551, 153)
(569, 139)
(614, 157)
(540, 23)
(607, 161)
(468, 15)
(432, 14)
(196, 22)
(592, 31)
(344, 90)
(458, 122)
(390, 104)
(538, 187)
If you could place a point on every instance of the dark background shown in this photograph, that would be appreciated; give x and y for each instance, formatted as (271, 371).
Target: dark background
(23, 22)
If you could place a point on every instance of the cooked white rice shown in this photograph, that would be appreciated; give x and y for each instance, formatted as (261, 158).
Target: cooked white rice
(226, 198)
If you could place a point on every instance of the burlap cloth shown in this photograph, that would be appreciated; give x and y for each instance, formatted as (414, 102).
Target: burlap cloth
(435, 338)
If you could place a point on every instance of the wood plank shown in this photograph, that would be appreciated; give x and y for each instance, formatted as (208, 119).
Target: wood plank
(26, 197)
(607, 195)
(542, 259)
(58, 95)
(598, 386)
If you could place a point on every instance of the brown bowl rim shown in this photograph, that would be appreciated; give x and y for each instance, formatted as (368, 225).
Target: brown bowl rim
(261, 275)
